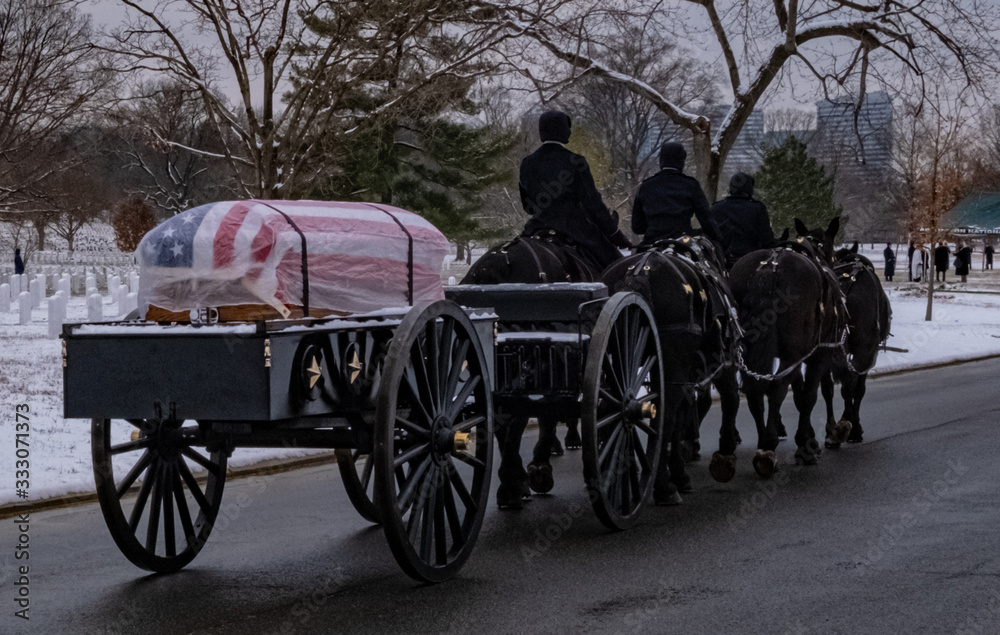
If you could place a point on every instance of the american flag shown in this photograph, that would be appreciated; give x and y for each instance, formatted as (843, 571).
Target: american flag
(247, 252)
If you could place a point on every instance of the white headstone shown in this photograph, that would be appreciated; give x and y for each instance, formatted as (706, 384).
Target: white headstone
(15, 286)
(35, 290)
(95, 308)
(121, 300)
(24, 306)
(133, 282)
(63, 285)
(57, 315)
(4, 298)
(131, 302)
(451, 281)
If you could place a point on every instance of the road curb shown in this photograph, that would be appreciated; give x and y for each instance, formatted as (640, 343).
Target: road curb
(276, 466)
(263, 468)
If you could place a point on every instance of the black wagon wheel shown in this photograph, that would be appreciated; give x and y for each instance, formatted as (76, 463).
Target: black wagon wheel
(622, 410)
(158, 511)
(357, 466)
(433, 441)
(356, 470)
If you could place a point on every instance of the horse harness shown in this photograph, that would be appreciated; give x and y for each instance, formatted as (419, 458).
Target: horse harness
(848, 272)
(806, 248)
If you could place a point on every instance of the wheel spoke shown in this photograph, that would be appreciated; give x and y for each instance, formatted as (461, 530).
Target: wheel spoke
(140, 501)
(192, 484)
(454, 522)
(422, 390)
(468, 459)
(633, 335)
(410, 426)
(134, 473)
(456, 406)
(463, 492)
(611, 418)
(642, 339)
(144, 442)
(169, 543)
(412, 453)
(611, 475)
(455, 372)
(432, 344)
(201, 460)
(440, 537)
(469, 423)
(626, 480)
(640, 378)
(446, 359)
(154, 509)
(640, 453)
(410, 384)
(642, 425)
(427, 531)
(604, 394)
(182, 507)
(412, 484)
(607, 449)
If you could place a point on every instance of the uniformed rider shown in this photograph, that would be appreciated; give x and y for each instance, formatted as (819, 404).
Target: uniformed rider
(667, 200)
(742, 220)
(559, 194)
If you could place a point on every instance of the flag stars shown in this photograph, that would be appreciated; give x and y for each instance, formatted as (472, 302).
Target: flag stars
(178, 249)
(169, 233)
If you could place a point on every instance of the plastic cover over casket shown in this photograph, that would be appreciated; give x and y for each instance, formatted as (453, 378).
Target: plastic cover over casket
(247, 252)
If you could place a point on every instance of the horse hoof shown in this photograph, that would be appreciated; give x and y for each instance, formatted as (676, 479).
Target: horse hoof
(540, 477)
(782, 432)
(831, 442)
(690, 451)
(856, 436)
(668, 496)
(682, 483)
(510, 496)
(572, 439)
(556, 448)
(738, 438)
(765, 464)
(842, 430)
(723, 467)
(806, 454)
(814, 447)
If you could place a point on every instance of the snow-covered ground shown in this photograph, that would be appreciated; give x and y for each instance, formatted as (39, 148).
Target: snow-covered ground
(966, 324)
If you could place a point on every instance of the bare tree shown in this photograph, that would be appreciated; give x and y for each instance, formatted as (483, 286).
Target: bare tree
(49, 75)
(299, 69)
(630, 126)
(157, 129)
(845, 44)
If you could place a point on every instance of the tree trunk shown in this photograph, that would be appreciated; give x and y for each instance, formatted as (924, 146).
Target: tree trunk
(459, 252)
(709, 165)
(40, 232)
(930, 269)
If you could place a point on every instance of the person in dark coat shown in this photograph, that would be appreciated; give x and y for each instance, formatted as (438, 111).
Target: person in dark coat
(890, 262)
(666, 201)
(941, 255)
(18, 263)
(742, 220)
(558, 193)
(963, 261)
(909, 261)
(988, 252)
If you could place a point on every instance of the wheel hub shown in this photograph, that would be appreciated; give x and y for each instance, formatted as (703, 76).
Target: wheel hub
(442, 439)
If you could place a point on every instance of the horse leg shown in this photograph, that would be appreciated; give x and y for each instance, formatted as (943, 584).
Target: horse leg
(664, 490)
(804, 393)
(858, 392)
(513, 479)
(572, 439)
(540, 470)
(764, 462)
(723, 465)
(680, 450)
(827, 385)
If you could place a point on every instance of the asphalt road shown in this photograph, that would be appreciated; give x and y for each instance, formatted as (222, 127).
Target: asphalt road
(899, 534)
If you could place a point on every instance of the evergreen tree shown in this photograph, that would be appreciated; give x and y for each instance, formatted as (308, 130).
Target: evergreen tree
(793, 185)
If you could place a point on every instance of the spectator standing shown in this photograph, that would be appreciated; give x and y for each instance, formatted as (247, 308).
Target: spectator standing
(988, 252)
(18, 263)
(963, 261)
(890, 262)
(941, 257)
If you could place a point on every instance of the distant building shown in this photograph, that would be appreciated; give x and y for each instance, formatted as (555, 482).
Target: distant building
(856, 142)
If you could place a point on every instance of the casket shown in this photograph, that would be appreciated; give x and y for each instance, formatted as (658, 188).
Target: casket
(256, 259)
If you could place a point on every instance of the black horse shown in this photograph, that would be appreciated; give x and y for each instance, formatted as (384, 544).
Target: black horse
(685, 283)
(537, 259)
(869, 318)
(792, 313)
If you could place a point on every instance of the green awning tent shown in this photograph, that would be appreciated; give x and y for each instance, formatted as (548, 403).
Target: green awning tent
(976, 215)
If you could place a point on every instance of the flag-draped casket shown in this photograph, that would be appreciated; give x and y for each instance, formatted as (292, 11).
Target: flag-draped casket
(359, 257)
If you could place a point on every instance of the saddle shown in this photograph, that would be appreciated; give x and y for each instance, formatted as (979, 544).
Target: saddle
(575, 260)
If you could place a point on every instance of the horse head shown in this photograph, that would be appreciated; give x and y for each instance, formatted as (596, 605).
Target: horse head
(821, 240)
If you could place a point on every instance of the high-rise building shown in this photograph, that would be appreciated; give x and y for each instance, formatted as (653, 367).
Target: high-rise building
(856, 142)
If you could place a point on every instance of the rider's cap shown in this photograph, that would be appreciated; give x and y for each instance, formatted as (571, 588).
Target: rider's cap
(672, 155)
(741, 183)
(554, 125)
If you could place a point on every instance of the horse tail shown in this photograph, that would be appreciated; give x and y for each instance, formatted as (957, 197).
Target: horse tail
(759, 320)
